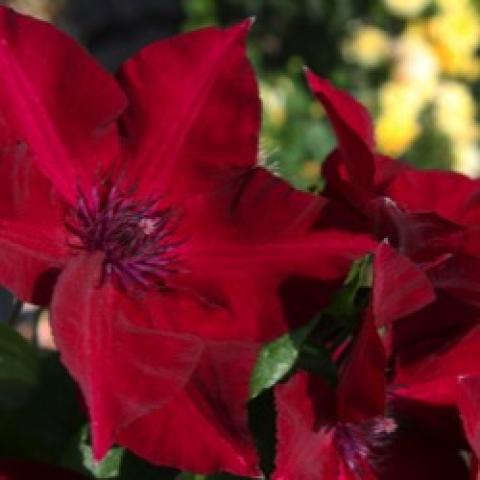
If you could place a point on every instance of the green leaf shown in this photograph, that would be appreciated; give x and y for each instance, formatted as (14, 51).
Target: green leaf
(316, 359)
(18, 359)
(359, 277)
(277, 358)
(262, 420)
(42, 426)
(80, 457)
(118, 464)
(109, 467)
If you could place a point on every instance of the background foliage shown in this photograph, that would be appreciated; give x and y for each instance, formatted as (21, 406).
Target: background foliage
(414, 63)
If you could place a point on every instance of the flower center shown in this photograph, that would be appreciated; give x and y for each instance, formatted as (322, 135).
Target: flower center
(136, 236)
(361, 444)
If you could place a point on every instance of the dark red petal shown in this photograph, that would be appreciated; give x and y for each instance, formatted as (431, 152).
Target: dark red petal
(386, 171)
(305, 448)
(448, 194)
(247, 244)
(429, 330)
(204, 428)
(434, 378)
(399, 286)
(217, 306)
(125, 368)
(353, 128)
(30, 260)
(55, 102)
(440, 392)
(268, 226)
(421, 236)
(341, 186)
(459, 276)
(22, 470)
(194, 112)
(457, 357)
(474, 468)
(26, 195)
(361, 389)
(417, 455)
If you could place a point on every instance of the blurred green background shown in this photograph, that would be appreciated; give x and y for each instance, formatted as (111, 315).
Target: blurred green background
(414, 63)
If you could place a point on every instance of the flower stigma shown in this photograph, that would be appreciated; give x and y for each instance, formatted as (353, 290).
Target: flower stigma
(361, 443)
(136, 236)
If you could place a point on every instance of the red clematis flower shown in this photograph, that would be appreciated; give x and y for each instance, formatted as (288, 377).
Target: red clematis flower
(330, 432)
(355, 430)
(426, 272)
(445, 376)
(429, 218)
(135, 204)
(20, 470)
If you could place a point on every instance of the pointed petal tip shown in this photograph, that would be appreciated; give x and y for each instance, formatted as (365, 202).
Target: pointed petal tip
(312, 79)
(101, 442)
(307, 72)
(240, 30)
(315, 82)
(247, 24)
(99, 451)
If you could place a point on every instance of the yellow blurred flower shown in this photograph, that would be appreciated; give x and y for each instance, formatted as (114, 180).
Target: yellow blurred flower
(454, 110)
(401, 99)
(395, 132)
(466, 158)
(417, 63)
(407, 8)
(455, 35)
(368, 46)
(274, 104)
(457, 62)
(453, 5)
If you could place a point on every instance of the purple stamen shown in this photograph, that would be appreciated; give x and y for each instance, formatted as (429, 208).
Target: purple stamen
(136, 236)
(360, 443)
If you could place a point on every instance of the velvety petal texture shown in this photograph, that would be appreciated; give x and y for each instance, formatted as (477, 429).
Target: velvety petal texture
(353, 129)
(361, 388)
(207, 422)
(31, 260)
(399, 286)
(40, 68)
(243, 251)
(305, 448)
(126, 369)
(194, 113)
(49, 146)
